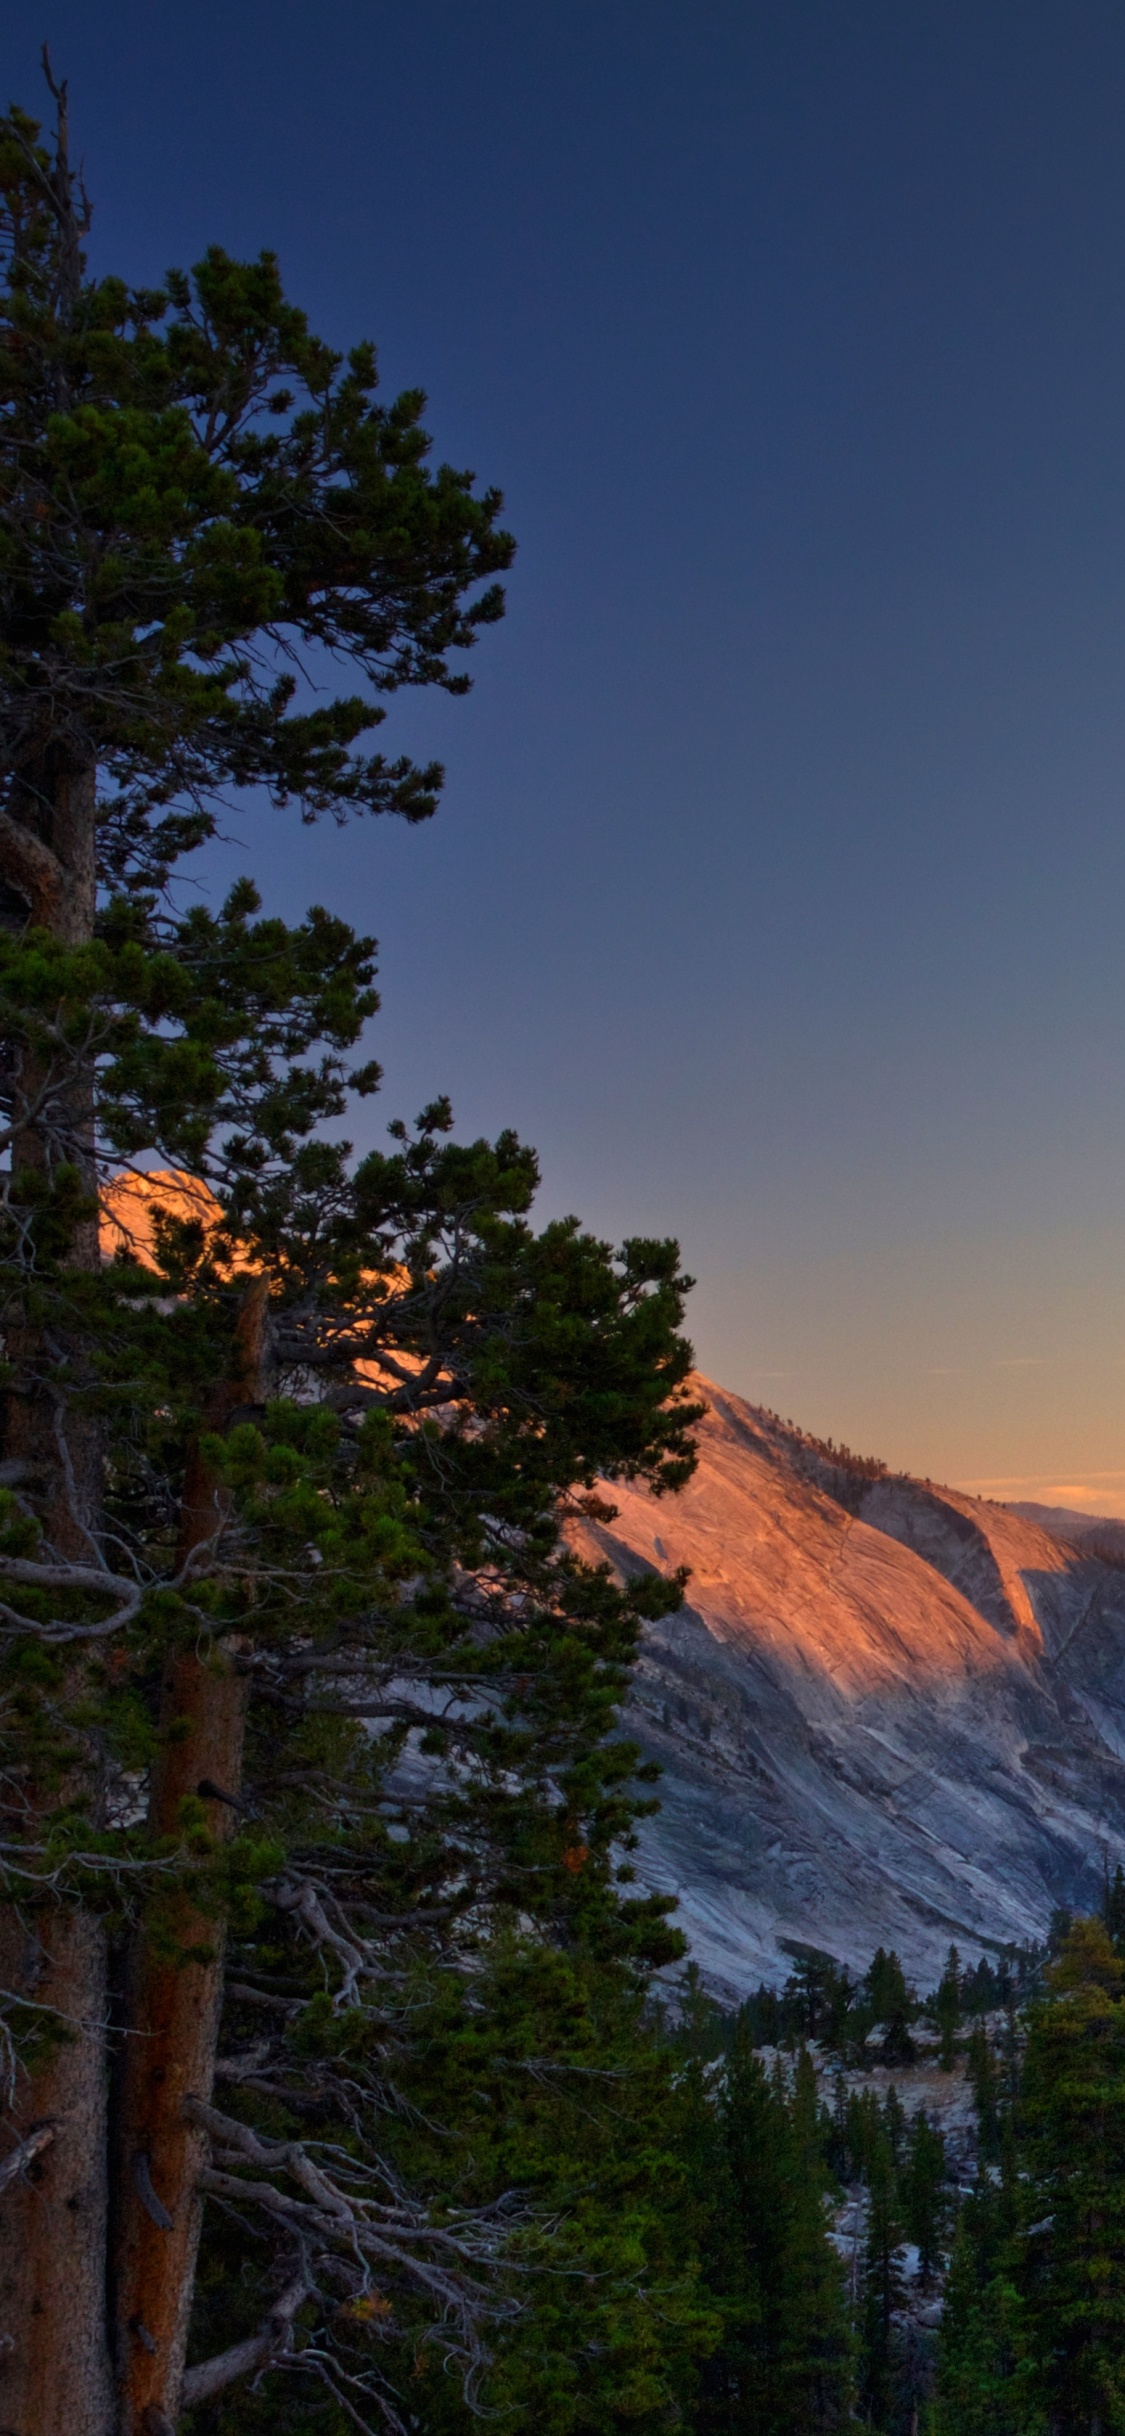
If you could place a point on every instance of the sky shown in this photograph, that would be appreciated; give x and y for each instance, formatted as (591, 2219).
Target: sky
(778, 891)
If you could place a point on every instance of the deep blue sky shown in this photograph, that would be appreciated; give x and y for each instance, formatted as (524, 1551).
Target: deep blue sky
(778, 890)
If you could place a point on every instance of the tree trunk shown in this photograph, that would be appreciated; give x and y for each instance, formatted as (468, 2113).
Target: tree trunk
(55, 2376)
(175, 1998)
(47, 866)
(174, 2006)
(48, 849)
(54, 2359)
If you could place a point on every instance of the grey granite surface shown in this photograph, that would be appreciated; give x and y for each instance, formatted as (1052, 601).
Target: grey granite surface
(889, 1713)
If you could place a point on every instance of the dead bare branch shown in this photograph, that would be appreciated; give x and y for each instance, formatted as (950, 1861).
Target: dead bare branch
(20, 2157)
(260, 2350)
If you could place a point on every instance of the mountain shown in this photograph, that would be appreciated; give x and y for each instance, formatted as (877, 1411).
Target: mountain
(888, 1713)
(1106, 1531)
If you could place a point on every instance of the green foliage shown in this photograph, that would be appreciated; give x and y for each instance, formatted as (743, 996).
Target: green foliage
(437, 1970)
(1073, 2108)
(891, 2004)
(817, 2001)
(1113, 1908)
(985, 2082)
(191, 484)
(816, 1998)
(922, 2184)
(438, 1977)
(542, 2080)
(883, 2289)
(983, 2388)
(759, 2188)
(947, 2008)
(1034, 2331)
(432, 1741)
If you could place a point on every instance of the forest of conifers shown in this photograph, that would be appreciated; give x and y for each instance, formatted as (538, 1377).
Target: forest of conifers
(348, 2079)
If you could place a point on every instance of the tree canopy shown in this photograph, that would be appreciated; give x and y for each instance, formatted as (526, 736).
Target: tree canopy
(316, 1813)
(197, 494)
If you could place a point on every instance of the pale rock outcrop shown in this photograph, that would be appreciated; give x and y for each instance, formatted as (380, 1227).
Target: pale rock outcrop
(888, 1713)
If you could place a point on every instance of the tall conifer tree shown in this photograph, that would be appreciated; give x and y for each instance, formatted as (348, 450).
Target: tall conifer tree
(786, 2365)
(307, 1709)
(1073, 2255)
(883, 2288)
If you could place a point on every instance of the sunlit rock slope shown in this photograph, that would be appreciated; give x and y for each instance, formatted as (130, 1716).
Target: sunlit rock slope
(888, 1712)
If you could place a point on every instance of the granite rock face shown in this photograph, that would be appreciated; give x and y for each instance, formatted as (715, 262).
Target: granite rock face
(888, 1713)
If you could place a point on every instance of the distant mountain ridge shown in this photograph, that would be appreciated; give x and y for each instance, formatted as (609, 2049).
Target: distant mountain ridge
(1065, 1522)
(889, 1712)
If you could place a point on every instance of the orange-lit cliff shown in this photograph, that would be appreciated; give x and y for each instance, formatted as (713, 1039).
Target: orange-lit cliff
(888, 1711)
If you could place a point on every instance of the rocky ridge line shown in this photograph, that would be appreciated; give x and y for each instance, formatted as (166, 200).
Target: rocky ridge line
(889, 1713)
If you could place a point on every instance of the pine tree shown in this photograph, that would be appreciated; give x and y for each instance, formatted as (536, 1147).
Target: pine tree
(985, 2082)
(814, 2366)
(542, 2082)
(863, 2125)
(889, 1999)
(922, 2184)
(883, 2288)
(1034, 2328)
(727, 2379)
(1073, 2105)
(784, 2364)
(816, 1997)
(309, 1715)
(982, 2383)
(895, 2127)
(948, 2008)
(1113, 1910)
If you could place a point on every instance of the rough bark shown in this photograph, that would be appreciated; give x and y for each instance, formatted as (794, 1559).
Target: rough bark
(173, 2022)
(175, 1998)
(55, 2372)
(48, 846)
(54, 2360)
(47, 861)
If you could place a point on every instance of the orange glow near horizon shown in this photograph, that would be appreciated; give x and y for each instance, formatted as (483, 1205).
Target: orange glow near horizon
(993, 1362)
(1101, 1493)
(131, 1202)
